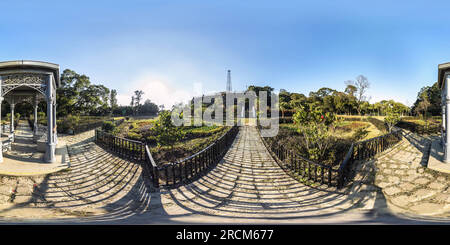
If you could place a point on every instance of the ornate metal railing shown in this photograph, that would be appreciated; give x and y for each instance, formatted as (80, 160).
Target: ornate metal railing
(171, 174)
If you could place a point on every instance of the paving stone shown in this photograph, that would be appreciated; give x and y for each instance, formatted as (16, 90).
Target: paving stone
(412, 172)
(399, 172)
(387, 171)
(441, 179)
(427, 208)
(406, 186)
(409, 178)
(394, 179)
(422, 181)
(383, 184)
(401, 201)
(436, 186)
(422, 194)
(379, 178)
(392, 190)
(442, 197)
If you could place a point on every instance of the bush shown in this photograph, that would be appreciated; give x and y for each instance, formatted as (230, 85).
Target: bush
(166, 133)
(313, 124)
(67, 124)
(108, 126)
(360, 134)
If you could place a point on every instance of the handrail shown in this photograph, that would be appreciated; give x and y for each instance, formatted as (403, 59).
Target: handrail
(346, 158)
(150, 157)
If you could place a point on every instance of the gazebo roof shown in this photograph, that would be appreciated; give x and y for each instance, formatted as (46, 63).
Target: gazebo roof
(31, 64)
(442, 68)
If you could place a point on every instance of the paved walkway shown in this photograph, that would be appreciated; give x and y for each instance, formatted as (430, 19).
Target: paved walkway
(248, 183)
(97, 183)
(407, 185)
(24, 159)
(247, 186)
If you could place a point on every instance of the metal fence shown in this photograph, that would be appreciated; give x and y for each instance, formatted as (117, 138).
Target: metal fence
(125, 148)
(302, 167)
(89, 126)
(364, 150)
(171, 174)
(326, 174)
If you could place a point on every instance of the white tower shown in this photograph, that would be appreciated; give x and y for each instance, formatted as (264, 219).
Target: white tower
(229, 81)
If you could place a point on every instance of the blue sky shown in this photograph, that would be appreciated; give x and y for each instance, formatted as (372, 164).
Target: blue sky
(168, 48)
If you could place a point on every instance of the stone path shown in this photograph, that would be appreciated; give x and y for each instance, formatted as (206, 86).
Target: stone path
(98, 183)
(407, 185)
(247, 186)
(23, 158)
(248, 183)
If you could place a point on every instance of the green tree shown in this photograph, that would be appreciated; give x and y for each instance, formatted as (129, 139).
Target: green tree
(113, 100)
(392, 115)
(313, 124)
(166, 133)
(137, 100)
(361, 84)
(77, 95)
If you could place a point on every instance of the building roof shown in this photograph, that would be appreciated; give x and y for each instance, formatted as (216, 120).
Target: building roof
(31, 64)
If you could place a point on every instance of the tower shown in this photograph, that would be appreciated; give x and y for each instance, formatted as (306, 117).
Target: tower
(229, 81)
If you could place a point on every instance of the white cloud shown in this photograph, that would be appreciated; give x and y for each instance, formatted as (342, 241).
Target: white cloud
(158, 89)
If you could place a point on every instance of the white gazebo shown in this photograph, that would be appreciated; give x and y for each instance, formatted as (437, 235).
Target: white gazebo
(31, 81)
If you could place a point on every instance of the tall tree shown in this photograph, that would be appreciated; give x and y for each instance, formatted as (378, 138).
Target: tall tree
(137, 100)
(362, 85)
(113, 99)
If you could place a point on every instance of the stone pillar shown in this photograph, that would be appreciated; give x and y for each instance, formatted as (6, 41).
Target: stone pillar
(447, 112)
(50, 151)
(11, 125)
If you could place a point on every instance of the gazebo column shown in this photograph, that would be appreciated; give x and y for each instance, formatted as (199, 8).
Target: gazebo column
(50, 151)
(1, 141)
(443, 129)
(446, 118)
(35, 123)
(11, 125)
(55, 132)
